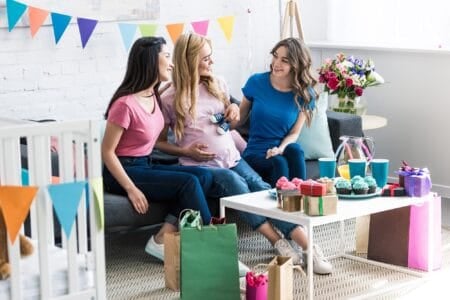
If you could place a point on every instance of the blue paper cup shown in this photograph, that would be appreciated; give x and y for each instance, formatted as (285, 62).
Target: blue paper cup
(327, 167)
(357, 166)
(380, 171)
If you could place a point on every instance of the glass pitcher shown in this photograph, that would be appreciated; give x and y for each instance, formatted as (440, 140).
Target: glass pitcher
(353, 147)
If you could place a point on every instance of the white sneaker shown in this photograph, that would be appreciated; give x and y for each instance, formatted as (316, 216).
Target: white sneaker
(155, 249)
(321, 265)
(243, 269)
(285, 249)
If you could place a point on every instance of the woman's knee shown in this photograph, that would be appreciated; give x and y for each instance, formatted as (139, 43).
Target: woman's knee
(294, 149)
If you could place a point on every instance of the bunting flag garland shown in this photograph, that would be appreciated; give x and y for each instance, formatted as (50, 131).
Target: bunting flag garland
(37, 17)
(127, 31)
(60, 23)
(227, 24)
(86, 27)
(148, 29)
(15, 202)
(66, 199)
(15, 11)
(201, 27)
(97, 186)
(175, 30)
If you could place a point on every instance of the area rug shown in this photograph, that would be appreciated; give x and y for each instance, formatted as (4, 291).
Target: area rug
(133, 274)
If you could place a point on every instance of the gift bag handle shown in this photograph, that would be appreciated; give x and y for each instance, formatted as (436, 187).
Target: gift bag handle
(185, 214)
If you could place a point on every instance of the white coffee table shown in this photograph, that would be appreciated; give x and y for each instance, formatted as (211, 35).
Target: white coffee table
(261, 203)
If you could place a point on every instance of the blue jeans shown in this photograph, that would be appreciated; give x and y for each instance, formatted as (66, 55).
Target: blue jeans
(290, 164)
(181, 187)
(242, 179)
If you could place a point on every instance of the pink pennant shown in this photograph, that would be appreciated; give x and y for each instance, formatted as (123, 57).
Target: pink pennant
(200, 27)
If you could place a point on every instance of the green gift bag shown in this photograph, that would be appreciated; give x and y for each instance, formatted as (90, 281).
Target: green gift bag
(209, 260)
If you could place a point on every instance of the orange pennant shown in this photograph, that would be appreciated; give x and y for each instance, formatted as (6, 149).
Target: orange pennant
(15, 202)
(37, 18)
(175, 30)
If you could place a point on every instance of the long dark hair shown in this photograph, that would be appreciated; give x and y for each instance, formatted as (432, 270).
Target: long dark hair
(303, 81)
(142, 69)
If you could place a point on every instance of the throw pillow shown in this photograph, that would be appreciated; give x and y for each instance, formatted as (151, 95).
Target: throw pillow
(315, 140)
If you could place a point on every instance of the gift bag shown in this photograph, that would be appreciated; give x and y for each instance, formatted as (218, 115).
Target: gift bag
(362, 234)
(256, 286)
(405, 237)
(172, 260)
(281, 278)
(209, 260)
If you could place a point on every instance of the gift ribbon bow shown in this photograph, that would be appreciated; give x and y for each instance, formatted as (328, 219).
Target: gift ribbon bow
(391, 188)
(254, 280)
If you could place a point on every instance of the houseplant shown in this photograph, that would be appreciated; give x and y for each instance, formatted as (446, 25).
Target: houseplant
(347, 77)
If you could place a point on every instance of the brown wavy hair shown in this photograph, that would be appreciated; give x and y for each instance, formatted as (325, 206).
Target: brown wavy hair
(186, 79)
(303, 81)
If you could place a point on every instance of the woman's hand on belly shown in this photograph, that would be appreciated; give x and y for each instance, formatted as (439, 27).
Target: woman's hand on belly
(199, 152)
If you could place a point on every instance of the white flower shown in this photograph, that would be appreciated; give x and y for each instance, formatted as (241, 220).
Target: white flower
(375, 77)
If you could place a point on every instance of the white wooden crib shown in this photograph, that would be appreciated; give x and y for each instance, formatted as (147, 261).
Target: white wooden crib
(75, 267)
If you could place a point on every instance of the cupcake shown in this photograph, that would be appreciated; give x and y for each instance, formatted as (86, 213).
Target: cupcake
(372, 183)
(360, 187)
(343, 186)
(356, 178)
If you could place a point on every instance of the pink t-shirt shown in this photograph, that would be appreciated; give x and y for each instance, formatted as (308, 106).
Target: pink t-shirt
(141, 128)
(202, 130)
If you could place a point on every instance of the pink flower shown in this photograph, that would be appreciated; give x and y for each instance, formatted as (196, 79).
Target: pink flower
(333, 83)
(296, 181)
(348, 82)
(288, 186)
(281, 181)
(358, 91)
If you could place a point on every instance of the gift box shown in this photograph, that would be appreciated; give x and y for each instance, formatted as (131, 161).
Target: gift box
(290, 200)
(313, 188)
(256, 286)
(393, 190)
(329, 183)
(320, 206)
(417, 182)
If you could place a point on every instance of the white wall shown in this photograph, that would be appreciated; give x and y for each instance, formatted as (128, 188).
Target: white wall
(39, 79)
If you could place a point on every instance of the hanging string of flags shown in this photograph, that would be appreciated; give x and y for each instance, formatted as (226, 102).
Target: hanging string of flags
(86, 27)
(15, 202)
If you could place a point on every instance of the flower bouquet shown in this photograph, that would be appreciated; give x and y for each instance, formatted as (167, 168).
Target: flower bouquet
(347, 77)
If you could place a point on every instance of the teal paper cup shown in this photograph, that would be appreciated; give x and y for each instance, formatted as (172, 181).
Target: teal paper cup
(357, 167)
(380, 171)
(327, 167)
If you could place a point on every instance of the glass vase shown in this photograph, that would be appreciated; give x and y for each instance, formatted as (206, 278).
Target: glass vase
(356, 106)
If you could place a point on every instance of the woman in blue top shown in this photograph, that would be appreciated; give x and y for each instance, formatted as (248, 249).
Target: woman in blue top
(281, 101)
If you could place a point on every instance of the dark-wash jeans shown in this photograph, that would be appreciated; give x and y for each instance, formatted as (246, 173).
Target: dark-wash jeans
(180, 186)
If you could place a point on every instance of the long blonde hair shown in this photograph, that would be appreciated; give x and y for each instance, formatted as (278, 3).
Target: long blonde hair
(186, 79)
(303, 81)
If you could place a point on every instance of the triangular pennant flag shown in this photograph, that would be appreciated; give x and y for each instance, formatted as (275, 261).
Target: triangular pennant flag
(86, 27)
(15, 11)
(148, 29)
(66, 199)
(37, 17)
(175, 30)
(60, 23)
(200, 27)
(97, 186)
(227, 24)
(25, 177)
(15, 202)
(128, 32)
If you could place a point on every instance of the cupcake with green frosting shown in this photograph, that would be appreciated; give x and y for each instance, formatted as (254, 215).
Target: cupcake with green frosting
(360, 187)
(372, 183)
(356, 178)
(343, 186)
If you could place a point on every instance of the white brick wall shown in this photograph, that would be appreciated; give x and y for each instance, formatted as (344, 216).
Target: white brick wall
(40, 80)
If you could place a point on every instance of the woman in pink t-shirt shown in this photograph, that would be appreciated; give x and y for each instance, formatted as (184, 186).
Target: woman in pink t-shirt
(134, 122)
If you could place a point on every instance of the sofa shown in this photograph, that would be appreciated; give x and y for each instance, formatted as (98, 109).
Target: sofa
(121, 216)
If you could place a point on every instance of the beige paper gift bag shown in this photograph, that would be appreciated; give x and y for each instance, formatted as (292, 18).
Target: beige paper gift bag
(281, 278)
(172, 260)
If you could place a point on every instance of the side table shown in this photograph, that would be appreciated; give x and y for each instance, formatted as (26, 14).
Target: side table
(373, 122)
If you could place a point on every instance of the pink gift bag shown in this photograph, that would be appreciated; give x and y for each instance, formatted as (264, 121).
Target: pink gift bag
(256, 287)
(424, 249)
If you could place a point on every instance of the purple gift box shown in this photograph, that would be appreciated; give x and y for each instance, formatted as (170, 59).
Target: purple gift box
(417, 182)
